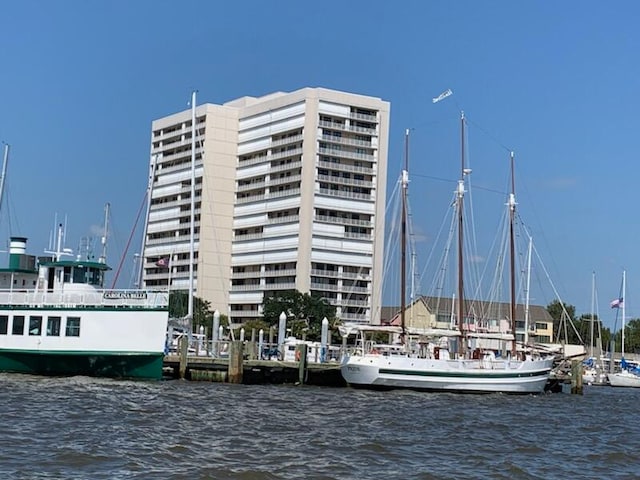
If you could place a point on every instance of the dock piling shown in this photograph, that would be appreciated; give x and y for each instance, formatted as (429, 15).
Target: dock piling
(576, 377)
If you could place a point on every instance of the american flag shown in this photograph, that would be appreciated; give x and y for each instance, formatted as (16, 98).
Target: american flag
(617, 303)
(163, 262)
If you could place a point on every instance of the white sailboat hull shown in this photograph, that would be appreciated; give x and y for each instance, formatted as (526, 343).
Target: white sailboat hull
(472, 376)
(624, 379)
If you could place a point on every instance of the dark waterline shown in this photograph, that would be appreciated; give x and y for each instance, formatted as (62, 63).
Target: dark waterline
(81, 428)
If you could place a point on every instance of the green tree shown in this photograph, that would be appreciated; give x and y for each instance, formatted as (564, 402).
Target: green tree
(202, 312)
(565, 327)
(304, 312)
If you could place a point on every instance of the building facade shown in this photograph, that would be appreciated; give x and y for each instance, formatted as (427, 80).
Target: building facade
(290, 195)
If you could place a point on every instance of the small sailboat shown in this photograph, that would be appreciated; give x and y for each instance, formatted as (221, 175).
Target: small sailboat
(628, 376)
(443, 365)
(593, 367)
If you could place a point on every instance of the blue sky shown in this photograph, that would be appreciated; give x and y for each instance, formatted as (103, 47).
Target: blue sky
(556, 82)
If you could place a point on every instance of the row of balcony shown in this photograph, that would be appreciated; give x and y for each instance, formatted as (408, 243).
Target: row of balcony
(334, 152)
(343, 221)
(269, 196)
(343, 167)
(164, 134)
(354, 142)
(352, 182)
(345, 194)
(348, 128)
(268, 157)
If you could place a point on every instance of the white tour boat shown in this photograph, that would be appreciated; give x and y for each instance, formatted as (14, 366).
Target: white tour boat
(56, 318)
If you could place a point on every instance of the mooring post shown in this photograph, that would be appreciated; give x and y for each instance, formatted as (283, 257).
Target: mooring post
(235, 362)
(184, 348)
(576, 377)
(301, 355)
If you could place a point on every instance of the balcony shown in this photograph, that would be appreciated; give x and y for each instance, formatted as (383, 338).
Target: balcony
(280, 273)
(246, 288)
(239, 275)
(245, 313)
(353, 142)
(343, 167)
(334, 152)
(343, 194)
(280, 220)
(286, 166)
(364, 117)
(343, 221)
(351, 182)
(287, 140)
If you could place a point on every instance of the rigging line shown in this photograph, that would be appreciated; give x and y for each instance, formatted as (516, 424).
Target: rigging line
(454, 182)
(126, 248)
(492, 137)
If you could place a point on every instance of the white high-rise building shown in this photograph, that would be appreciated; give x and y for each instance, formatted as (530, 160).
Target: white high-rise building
(290, 195)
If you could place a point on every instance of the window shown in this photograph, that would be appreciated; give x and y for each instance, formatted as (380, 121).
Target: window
(18, 325)
(53, 326)
(35, 325)
(73, 327)
(4, 324)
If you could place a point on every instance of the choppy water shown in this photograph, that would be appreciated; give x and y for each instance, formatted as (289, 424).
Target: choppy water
(83, 428)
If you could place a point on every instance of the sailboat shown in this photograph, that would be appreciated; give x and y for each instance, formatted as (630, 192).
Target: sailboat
(439, 367)
(628, 376)
(594, 371)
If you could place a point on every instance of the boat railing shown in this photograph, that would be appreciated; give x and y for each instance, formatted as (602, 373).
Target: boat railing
(83, 298)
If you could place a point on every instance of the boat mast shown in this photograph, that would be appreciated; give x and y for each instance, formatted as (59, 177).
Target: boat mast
(512, 256)
(193, 200)
(403, 235)
(4, 171)
(103, 256)
(593, 291)
(460, 197)
(152, 173)
(623, 301)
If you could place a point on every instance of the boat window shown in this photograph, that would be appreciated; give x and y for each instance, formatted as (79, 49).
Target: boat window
(67, 275)
(73, 327)
(79, 275)
(18, 325)
(35, 325)
(94, 277)
(4, 324)
(53, 326)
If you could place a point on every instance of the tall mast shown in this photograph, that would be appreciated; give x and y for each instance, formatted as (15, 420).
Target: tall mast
(403, 234)
(4, 170)
(103, 256)
(512, 256)
(152, 174)
(623, 301)
(460, 197)
(593, 291)
(193, 202)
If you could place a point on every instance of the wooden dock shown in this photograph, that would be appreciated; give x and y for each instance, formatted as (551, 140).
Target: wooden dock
(238, 369)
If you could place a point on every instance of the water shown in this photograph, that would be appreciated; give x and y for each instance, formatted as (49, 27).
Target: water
(83, 428)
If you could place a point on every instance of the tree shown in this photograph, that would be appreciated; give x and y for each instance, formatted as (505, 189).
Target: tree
(304, 312)
(564, 322)
(202, 313)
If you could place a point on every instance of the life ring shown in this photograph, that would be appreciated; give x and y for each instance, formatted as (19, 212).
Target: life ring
(297, 355)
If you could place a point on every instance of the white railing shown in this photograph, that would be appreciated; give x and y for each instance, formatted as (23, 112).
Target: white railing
(91, 298)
